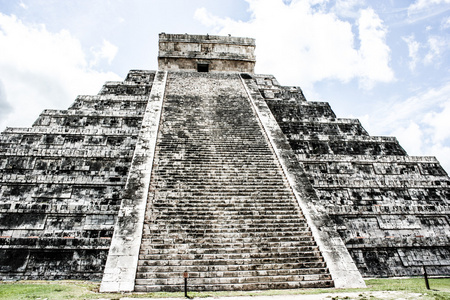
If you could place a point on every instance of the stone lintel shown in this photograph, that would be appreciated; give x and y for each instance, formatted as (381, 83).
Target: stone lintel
(121, 265)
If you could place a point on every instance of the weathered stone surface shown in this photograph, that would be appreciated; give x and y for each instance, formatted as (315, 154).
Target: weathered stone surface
(390, 209)
(61, 184)
(219, 206)
(340, 264)
(230, 176)
(120, 269)
(205, 53)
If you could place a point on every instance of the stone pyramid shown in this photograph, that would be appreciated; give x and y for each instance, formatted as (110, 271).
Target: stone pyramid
(207, 168)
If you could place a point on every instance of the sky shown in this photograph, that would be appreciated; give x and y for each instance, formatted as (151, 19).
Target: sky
(384, 62)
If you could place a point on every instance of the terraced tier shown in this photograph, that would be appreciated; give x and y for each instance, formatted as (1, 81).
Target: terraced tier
(390, 209)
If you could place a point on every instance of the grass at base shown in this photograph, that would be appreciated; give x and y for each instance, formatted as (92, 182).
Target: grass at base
(56, 290)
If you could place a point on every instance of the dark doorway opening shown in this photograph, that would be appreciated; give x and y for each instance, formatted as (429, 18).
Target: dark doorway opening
(246, 76)
(203, 67)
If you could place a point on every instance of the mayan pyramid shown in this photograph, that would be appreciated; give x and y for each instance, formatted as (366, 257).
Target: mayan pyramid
(207, 168)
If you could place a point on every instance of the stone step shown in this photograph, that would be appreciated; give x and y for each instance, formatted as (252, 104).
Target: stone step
(235, 202)
(177, 235)
(211, 211)
(197, 226)
(210, 173)
(222, 191)
(189, 220)
(263, 206)
(218, 165)
(220, 266)
(225, 247)
(188, 239)
(149, 266)
(230, 210)
(227, 277)
(268, 285)
(221, 207)
(199, 273)
(268, 197)
(254, 194)
(218, 219)
(239, 225)
(253, 230)
(217, 155)
(220, 175)
(214, 186)
(207, 144)
(222, 202)
(219, 204)
(218, 249)
(227, 256)
(228, 229)
(214, 181)
(225, 212)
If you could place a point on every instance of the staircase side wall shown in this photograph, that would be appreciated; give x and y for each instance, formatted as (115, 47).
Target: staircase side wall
(121, 265)
(342, 268)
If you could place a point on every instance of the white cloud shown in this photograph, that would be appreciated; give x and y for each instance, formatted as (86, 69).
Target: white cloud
(41, 69)
(23, 5)
(420, 123)
(413, 50)
(424, 4)
(315, 44)
(374, 52)
(410, 137)
(423, 9)
(106, 51)
(439, 122)
(442, 153)
(436, 45)
(415, 108)
(348, 8)
(445, 23)
(5, 107)
(207, 19)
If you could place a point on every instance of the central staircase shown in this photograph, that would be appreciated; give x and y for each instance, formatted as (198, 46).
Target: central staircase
(219, 206)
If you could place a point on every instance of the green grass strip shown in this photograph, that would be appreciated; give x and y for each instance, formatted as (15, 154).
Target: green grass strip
(56, 290)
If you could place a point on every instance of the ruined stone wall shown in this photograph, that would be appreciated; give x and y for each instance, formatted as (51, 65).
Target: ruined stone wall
(61, 183)
(391, 210)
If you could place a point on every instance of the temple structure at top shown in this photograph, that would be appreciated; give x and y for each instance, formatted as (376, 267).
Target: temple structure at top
(206, 53)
